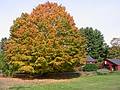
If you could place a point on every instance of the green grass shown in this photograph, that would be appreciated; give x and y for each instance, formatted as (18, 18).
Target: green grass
(100, 82)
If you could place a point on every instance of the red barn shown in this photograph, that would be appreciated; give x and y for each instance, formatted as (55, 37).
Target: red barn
(112, 64)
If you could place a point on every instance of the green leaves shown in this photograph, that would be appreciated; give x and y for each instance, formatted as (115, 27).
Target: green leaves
(96, 46)
(114, 52)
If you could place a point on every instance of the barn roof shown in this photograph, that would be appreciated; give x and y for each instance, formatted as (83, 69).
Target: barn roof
(115, 61)
(89, 58)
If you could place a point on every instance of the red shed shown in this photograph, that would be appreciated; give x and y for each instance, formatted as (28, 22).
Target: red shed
(112, 64)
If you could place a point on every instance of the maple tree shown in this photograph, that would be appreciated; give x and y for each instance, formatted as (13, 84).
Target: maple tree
(46, 40)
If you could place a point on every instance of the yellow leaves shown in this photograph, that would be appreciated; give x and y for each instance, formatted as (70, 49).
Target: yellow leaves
(57, 61)
(20, 57)
(40, 41)
(13, 58)
(26, 69)
(19, 63)
(25, 57)
(40, 59)
(41, 62)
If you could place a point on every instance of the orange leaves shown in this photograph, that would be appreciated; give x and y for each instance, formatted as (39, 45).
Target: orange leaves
(50, 42)
(45, 40)
(49, 12)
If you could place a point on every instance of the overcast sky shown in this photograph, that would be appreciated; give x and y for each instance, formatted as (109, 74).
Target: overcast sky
(103, 15)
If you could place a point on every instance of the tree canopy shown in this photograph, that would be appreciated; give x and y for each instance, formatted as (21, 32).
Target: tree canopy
(46, 40)
(96, 47)
(115, 42)
(114, 50)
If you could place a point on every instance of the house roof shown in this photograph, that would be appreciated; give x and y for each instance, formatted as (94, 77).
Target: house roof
(115, 61)
(89, 58)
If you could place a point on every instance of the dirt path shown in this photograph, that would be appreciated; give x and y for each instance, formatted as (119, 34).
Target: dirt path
(6, 83)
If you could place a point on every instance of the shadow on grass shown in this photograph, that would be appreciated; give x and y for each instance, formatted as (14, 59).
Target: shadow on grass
(64, 75)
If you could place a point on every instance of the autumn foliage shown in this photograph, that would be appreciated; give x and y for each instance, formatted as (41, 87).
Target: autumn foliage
(45, 41)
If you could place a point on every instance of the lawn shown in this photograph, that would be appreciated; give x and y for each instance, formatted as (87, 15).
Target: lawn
(99, 82)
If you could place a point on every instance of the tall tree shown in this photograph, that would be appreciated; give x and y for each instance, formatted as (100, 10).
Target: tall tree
(45, 41)
(114, 50)
(115, 42)
(96, 47)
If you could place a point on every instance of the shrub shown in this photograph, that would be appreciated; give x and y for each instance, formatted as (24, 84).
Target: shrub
(1, 60)
(90, 67)
(5, 68)
(99, 65)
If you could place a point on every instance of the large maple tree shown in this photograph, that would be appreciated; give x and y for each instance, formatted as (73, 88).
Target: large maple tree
(46, 40)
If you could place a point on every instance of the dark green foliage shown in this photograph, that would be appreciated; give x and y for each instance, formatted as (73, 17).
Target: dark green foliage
(1, 60)
(7, 70)
(96, 47)
(3, 43)
(90, 67)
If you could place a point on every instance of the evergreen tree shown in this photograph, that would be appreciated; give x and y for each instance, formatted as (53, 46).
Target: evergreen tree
(96, 47)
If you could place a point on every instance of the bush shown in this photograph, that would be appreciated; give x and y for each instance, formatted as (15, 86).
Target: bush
(1, 60)
(5, 68)
(90, 67)
(103, 71)
(99, 65)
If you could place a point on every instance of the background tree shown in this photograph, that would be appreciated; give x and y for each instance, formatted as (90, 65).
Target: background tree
(0, 47)
(114, 50)
(115, 42)
(2, 43)
(96, 47)
(45, 41)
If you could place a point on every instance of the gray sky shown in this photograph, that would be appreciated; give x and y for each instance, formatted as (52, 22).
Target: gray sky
(103, 15)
